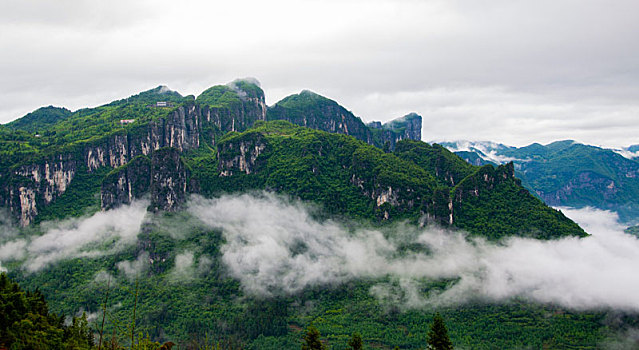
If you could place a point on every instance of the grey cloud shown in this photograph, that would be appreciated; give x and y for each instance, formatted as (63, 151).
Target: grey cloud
(184, 269)
(96, 235)
(133, 269)
(103, 277)
(571, 57)
(274, 246)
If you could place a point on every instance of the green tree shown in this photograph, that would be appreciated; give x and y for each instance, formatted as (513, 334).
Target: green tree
(78, 334)
(312, 339)
(356, 341)
(438, 335)
(386, 147)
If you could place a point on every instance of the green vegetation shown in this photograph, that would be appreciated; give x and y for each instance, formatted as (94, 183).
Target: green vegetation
(318, 112)
(356, 341)
(26, 323)
(312, 339)
(566, 173)
(438, 335)
(633, 230)
(40, 119)
(492, 204)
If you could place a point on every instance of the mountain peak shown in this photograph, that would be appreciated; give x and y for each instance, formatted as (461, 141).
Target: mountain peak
(40, 118)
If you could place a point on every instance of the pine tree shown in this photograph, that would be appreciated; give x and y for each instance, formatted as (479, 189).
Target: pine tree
(356, 341)
(312, 339)
(438, 335)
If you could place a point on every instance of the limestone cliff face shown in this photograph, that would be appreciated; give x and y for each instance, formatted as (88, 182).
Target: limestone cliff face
(238, 118)
(37, 184)
(241, 155)
(126, 183)
(234, 107)
(130, 151)
(168, 180)
(50, 177)
(180, 129)
(163, 177)
(408, 127)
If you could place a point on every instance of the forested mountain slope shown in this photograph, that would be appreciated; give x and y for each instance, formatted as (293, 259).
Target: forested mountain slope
(566, 173)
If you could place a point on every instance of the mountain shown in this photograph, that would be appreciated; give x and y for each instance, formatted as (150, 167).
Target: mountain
(39, 119)
(218, 218)
(566, 173)
(161, 144)
(311, 110)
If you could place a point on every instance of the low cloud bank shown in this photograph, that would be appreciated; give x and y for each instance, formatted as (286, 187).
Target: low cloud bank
(275, 246)
(100, 234)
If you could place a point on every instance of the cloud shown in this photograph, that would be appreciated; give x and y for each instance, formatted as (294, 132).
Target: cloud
(501, 70)
(184, 269)
(135, 268)
(102, 233)
(103, 277)
(275, 246)
(627, 153)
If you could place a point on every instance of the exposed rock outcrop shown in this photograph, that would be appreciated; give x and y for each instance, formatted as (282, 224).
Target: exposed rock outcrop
(182, 128)
(126, 183)
(164, 177)
(408, 127)
(168, 180)
(241, 155)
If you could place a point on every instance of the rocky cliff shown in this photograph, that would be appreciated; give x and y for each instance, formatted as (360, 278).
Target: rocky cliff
(241, 155)
(141, 125)
(169, 179)
(313, 111)
(126, 183)
(166, 150)
(41, 179)
(408, 127)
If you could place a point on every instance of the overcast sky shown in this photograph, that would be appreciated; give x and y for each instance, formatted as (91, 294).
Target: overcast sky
(509, 71)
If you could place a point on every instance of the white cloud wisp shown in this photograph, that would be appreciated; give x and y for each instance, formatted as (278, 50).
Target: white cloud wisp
(275, 246)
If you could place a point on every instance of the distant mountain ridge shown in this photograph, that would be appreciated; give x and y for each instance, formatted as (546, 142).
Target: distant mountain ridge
(567, 173)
